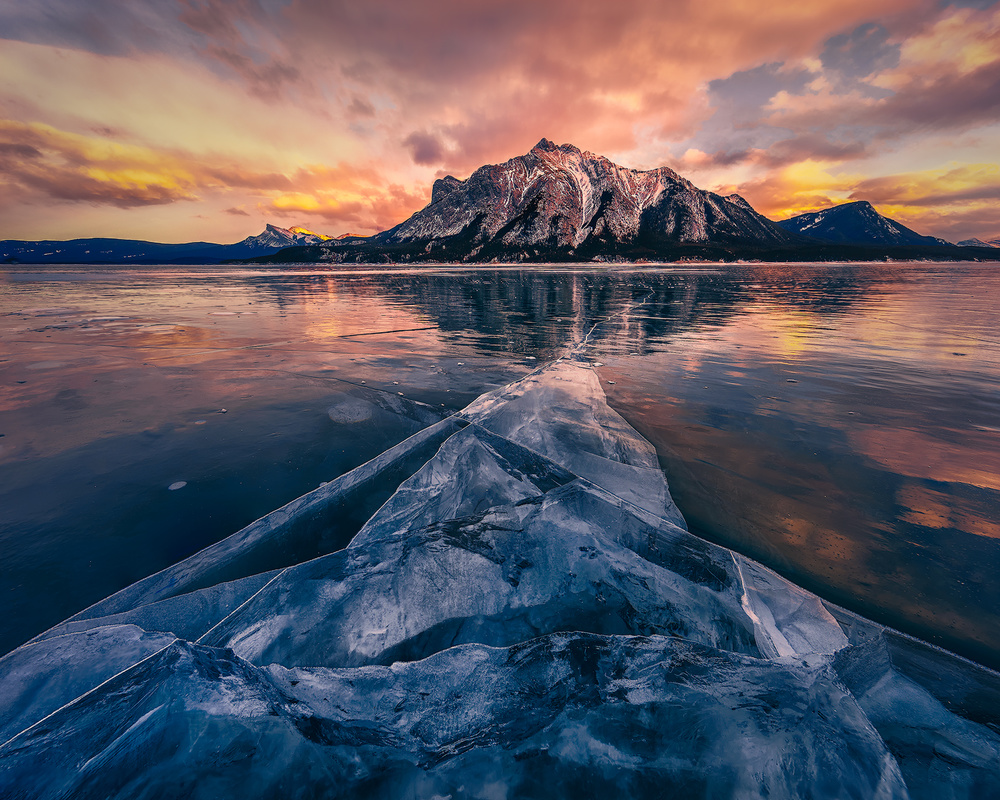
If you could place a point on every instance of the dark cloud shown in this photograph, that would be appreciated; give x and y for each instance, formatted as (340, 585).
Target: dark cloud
(13, 150)
(267, 79)
(587, 72)
(246, 179)
(360, 107)
(943, 101)
(860, 53)
(923, 100)
(793, 150)
(108, 133)
(979, 4)
(107, 27)
(737, 129)
(749, 90)
(745, 129)
(425, 148)
(236, 212)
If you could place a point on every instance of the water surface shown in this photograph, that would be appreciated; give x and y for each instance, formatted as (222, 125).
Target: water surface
(840, 423)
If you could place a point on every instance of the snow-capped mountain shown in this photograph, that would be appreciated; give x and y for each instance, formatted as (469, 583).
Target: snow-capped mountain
(277, 238)
(559, 198)
(979, 243)
(856, 223)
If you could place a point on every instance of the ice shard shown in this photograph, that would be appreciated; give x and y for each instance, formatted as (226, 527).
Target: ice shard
(508, 604)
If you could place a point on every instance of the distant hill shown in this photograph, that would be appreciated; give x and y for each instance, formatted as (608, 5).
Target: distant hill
(133, 251)
(856, 223)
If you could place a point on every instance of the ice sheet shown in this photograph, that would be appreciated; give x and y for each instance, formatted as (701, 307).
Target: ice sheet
(521, 613)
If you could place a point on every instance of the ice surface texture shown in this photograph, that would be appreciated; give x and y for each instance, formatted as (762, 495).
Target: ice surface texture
(518, 612)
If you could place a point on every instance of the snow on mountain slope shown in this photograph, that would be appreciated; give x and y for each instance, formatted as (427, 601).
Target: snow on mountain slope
(560, 196)
(856, 223)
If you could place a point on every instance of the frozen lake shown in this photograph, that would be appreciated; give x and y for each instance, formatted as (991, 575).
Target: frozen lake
(840, 423)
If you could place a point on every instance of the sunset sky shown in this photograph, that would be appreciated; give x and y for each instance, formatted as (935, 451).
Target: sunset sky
(180, 120)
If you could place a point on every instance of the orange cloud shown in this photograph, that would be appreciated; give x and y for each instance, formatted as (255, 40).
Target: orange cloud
(794, 189)
(346, 197)
(40, 159)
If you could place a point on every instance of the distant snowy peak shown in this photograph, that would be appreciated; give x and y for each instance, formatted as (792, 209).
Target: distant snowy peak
(856, 223)
(979, 243)
(274, 237)
(558, 197)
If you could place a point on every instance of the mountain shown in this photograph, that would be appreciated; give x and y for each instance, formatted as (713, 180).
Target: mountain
(979, 243)
(558, 202)
(134, 251)
(559, 197)
(856, 223)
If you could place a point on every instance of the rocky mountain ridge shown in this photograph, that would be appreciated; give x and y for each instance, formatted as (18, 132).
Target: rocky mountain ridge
(559, 198)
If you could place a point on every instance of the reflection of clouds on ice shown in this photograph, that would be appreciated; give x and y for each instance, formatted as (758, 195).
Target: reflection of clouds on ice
(519, 605)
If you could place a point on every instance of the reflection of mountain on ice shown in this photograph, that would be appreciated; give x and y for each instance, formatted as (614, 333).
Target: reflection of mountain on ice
(519, 612)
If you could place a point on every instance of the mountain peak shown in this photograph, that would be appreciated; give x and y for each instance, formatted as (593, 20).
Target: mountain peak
(444, 186)
(546, 145)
